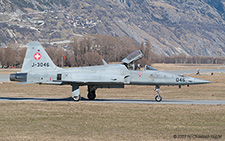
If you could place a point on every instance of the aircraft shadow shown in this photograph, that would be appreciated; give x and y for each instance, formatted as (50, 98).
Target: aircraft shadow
(137, 101)
(123, 100)
(34, 99)
(70, 99)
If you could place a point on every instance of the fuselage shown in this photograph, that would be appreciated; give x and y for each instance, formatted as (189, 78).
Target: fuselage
(114, 74)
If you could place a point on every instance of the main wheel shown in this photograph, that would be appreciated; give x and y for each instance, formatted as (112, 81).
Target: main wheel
(76, 98)
(158, 98)
(91, 95)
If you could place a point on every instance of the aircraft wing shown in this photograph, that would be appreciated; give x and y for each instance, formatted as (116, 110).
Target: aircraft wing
(96, 84)
(70, 82)
(63, 82)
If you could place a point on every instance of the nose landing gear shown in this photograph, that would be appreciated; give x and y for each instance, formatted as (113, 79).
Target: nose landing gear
(158, 98)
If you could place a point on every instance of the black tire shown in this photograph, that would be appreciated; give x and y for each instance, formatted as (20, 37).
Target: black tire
(76, 98)
(158, 98)
(91, 95)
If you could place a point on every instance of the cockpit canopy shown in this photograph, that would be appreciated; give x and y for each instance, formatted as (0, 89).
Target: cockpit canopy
(133, 57)
(129, 61)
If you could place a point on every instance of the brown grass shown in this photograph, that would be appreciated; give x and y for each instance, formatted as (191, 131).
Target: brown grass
(104, 121)
(96, 121)
(187, 66)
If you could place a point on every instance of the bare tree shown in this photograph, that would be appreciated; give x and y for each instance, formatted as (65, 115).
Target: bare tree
(21, 55)
(92, 58)
(108, 47)
(70, 59)
(9, 57)
(52, 52)
(181, 58)
(56, 54)
(79, 48)
(148, 53)
(1, 56)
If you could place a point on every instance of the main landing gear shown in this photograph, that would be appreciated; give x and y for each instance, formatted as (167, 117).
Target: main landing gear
(158, 98)
(91, 92)
(75, 92)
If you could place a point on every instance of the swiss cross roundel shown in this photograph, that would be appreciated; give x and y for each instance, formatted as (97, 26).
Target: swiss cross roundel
(37, 56)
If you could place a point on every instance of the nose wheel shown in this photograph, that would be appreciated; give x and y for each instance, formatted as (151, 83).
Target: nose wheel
(158, 98)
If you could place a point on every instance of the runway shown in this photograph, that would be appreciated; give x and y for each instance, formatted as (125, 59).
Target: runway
(4, 77)
(125, 101)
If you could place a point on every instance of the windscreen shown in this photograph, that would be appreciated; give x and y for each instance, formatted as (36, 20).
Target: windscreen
(133, 56)
(149, 68)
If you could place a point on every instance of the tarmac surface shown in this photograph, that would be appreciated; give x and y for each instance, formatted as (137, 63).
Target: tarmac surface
(130, 101)
(4, 77)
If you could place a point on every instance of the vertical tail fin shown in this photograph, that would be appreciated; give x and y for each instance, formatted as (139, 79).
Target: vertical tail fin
(37, 59)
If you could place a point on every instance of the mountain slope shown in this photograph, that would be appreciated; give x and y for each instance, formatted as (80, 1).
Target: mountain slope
(192, 27)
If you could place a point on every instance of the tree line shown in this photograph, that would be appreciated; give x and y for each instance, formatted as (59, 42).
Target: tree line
(90, 49)
(185, 59)
(12, 56)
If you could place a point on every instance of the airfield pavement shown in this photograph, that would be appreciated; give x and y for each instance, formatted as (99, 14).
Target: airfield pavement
(125, 101)
(46, 112)
(4, 77)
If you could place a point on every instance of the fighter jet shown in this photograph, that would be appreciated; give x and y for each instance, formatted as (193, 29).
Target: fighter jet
(39, 68)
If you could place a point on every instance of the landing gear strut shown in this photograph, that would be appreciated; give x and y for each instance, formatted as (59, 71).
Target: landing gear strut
(75, 92)
(91, 92)
(158, 98)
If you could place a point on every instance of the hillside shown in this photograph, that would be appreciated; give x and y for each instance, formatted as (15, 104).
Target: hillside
(192, 27)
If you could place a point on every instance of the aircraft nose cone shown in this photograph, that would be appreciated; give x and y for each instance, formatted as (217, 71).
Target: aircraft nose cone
(201, 81)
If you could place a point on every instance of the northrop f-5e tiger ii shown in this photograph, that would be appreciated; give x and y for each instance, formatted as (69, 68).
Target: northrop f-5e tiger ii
(39, 68)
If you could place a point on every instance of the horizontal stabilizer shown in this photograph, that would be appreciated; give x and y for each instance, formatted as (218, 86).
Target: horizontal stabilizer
(29, 82)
